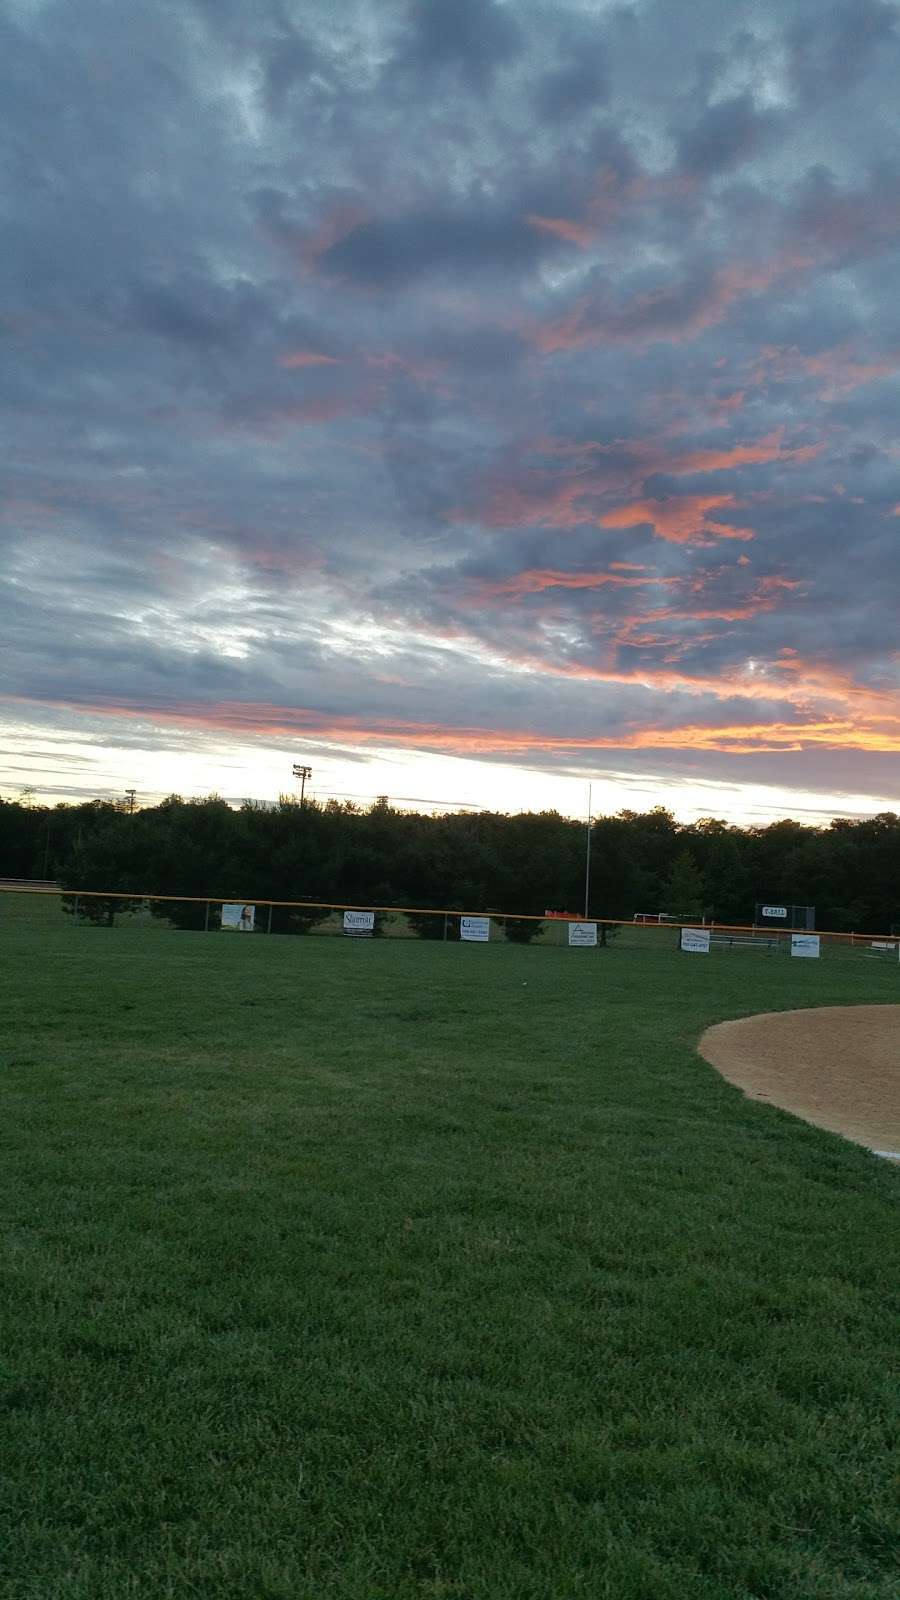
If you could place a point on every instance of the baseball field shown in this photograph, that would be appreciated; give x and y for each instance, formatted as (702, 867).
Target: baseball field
(384, 1269)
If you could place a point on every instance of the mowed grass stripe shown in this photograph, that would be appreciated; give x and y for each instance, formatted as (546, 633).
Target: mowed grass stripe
(390, 1269)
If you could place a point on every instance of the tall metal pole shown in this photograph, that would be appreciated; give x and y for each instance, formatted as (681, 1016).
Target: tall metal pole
(587, 859)
(302, 773)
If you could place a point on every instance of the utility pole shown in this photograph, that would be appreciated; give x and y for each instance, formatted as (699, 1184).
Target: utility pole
(587, 859)
(302, 773)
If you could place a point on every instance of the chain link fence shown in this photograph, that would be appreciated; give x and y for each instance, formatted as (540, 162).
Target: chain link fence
(49, 909)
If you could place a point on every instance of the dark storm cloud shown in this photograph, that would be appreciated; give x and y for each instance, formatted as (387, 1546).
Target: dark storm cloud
(471, 38)
(578, 81)
(835, 53)
(480, 240)
(726, 135)
(365, 366)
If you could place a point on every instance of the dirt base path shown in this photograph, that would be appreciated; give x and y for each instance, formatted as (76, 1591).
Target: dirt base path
(835, 1066)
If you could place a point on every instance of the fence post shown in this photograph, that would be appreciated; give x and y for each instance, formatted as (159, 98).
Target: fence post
(75, 910)
(269, 919)
(446, 920)
(206, 919)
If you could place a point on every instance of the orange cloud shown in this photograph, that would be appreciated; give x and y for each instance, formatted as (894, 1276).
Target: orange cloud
(574, 232)
(552, 500)
(269, 419)
(842, 374)
(679, 519)
(337, 225)
(742, 455)
(722, 407)
(306, 358)
(263, 720)
(390, 361)
(840, 369)
(559, 505)
(634, 630)
(670, 314)
(536, 579)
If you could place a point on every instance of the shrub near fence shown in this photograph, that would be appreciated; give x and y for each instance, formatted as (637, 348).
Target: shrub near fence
(49, 908)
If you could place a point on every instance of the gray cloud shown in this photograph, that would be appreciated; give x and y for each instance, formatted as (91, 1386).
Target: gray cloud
(835, 55)
(462, 356)
(479, 240)
(726, 135)
(469, 37)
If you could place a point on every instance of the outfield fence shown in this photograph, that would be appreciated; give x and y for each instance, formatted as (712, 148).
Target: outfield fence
(48, 906)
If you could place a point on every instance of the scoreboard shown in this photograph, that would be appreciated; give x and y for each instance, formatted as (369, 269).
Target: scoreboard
(781, 914)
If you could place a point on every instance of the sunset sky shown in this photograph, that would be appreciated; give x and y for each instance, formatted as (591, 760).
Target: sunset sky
(467, 399)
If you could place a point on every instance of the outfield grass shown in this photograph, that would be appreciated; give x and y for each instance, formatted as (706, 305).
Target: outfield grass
(370, 1271)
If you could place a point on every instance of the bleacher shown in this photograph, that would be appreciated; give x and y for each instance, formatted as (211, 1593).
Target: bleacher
(755, 941)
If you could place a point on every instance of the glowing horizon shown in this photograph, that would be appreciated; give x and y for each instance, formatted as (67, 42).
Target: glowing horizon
(562, 442)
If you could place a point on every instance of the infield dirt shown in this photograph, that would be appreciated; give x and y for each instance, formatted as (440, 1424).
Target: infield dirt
(836, 1066)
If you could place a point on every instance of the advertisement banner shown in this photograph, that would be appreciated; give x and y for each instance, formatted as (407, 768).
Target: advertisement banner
(477, 929)
(696, 940)
(804, 944)
(360, 923)
(238, 917)
(583, 934)
(774, 911)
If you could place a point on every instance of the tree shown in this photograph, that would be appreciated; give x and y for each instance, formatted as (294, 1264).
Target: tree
(683, 888)
(521, 930)
(337, 853)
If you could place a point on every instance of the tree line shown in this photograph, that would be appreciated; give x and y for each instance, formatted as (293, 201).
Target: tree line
(523, 864)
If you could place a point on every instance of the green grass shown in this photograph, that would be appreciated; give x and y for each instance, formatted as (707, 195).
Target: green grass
(380, 1270)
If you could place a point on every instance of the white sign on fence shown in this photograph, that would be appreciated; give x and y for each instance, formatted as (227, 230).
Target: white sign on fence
(477, 929)
(804, 944)
(775, 911)
(240, 917)
(359, 922)
(583, 933)
(695, 940)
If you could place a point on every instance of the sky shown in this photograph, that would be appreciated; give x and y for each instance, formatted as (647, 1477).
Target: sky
(469, 400)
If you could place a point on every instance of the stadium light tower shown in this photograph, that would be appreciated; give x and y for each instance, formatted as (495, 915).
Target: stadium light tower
(302, 773)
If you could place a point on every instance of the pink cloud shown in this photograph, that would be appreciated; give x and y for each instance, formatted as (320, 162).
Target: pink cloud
(563, 502)
(723, 407)
(670, 314)
(743, 455)
(679, 519)
(306, 358)
(868, 725)
(839, 370)
(563, 228)
(390, 362)
(537, 579)
(267, 419)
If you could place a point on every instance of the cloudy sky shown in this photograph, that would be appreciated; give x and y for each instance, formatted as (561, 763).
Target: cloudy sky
(467, 398)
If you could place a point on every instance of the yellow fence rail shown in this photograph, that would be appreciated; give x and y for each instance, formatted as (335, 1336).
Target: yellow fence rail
(721, 930)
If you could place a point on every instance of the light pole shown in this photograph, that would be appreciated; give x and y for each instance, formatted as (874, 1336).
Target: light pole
(129, 796)
(302, 773)
(587, 859)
